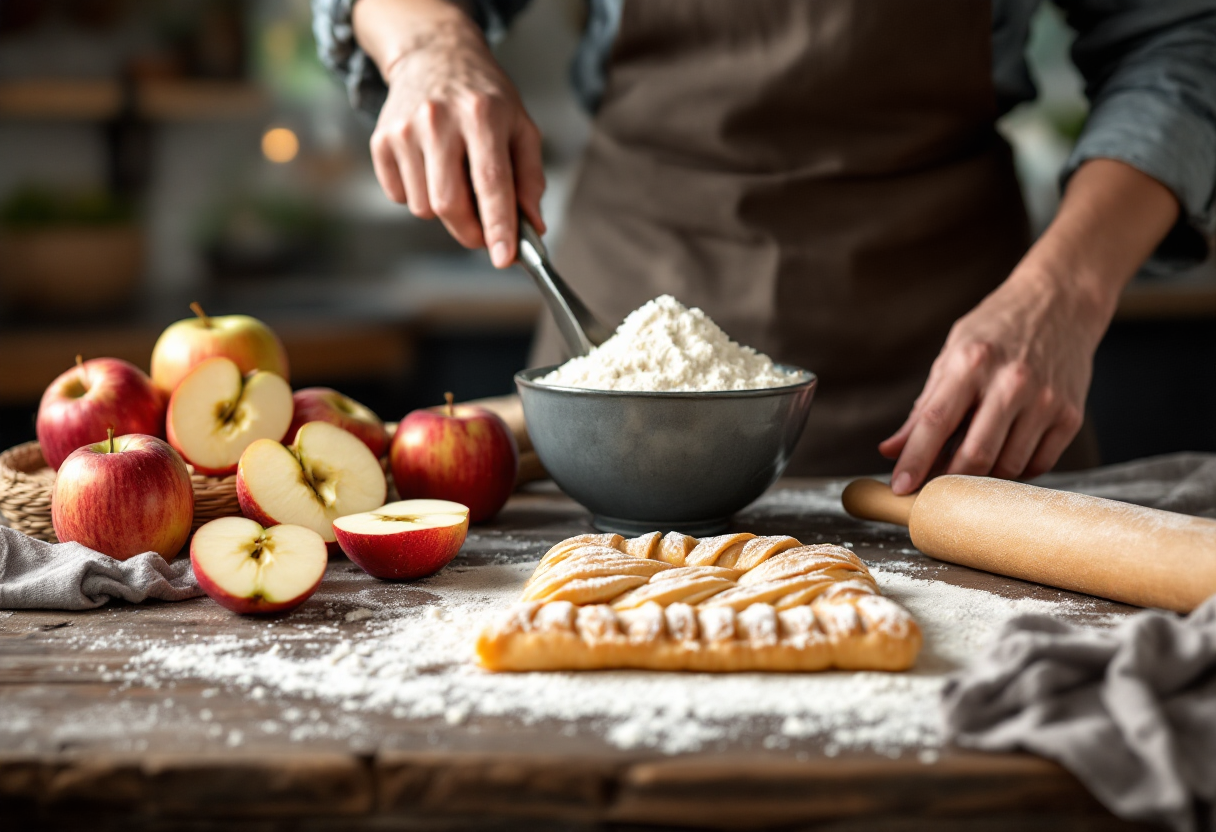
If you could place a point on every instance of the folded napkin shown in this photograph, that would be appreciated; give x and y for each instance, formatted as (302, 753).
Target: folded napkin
(1184, 482)
(1130, 711)
(68, 576)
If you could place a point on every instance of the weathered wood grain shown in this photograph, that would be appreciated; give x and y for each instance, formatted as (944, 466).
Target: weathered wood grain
(79, 748)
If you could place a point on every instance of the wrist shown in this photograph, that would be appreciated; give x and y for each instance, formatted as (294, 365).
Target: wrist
(1089, 299)
(391, 31)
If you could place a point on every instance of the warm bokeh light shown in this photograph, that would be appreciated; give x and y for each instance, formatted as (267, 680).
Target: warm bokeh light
(280, 145)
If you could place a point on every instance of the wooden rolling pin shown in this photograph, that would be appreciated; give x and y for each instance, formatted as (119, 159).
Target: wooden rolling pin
(1120, 551)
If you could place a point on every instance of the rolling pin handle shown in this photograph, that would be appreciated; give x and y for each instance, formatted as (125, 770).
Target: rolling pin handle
(868, 499)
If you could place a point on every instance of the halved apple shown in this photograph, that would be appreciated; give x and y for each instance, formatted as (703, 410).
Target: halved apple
(407, 539)
(216, 413)
(327, 473)
(249, 569)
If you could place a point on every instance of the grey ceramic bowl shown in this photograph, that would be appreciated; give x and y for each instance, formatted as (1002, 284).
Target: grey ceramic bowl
(664, 461)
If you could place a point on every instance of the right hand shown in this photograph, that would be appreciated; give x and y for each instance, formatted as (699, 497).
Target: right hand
(453, 141)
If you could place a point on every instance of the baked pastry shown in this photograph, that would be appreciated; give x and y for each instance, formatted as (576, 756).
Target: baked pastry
(671, 602)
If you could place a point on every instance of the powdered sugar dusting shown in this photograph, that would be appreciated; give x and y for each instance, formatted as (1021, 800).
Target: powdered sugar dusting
(664, 346)
(415, 663)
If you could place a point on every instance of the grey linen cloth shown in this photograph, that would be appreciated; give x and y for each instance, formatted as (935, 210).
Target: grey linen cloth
(35, 575)
(1131, 711)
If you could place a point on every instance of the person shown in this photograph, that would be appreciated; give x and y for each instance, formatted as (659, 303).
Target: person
(824, 178)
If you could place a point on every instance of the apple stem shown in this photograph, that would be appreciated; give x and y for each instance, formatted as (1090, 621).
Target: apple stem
(110, 437)
(79, 360)
(197, 309)
(450, 399)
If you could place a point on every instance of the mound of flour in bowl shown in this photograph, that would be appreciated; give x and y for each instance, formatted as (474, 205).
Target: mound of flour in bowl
(664, 346)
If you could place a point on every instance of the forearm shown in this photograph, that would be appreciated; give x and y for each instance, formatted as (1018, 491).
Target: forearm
(1021, 361)
(1111, 219)
(389, 30)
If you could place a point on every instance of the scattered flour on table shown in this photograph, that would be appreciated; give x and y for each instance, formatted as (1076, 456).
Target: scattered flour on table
(663, 346)
(415, 662)
(821, 501)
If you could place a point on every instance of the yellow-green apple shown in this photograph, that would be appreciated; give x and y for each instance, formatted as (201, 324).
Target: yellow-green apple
(216, 413)
(95, 396)
(325, 474)
(240, 338)
(462, 453)
(406, 539)
(321, 404)
(249, 569)
(124, 496)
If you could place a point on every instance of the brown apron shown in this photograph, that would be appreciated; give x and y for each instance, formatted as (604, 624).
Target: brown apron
(822, 177)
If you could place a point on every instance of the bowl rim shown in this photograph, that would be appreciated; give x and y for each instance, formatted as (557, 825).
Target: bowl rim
(527, 378)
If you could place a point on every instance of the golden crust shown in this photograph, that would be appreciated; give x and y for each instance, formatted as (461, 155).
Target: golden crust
(724, 604)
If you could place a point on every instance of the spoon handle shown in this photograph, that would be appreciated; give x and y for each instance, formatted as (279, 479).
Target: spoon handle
(580, 329)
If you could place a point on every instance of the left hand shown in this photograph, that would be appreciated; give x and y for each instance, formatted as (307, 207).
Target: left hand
(1021, 363)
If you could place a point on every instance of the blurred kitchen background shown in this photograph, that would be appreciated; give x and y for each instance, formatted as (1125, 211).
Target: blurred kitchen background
(156, 152)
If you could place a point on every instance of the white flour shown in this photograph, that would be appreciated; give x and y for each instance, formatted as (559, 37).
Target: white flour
(414, 661)
(663, 346)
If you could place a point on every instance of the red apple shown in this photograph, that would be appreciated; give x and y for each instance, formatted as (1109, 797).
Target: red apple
(320, 404)
(215, 414)
(461, 453)
(91, 398)
(407, 539)
(240, 338)
(249, 569)
(327, 473)
(126, 495)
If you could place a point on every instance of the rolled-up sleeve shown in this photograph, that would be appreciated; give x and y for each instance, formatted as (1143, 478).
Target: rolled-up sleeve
(341, 54)
(1150, 71)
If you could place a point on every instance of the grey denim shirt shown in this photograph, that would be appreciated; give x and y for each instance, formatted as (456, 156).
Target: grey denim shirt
(1149, 67)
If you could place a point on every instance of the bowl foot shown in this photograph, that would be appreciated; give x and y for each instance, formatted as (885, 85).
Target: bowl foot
(633, 528)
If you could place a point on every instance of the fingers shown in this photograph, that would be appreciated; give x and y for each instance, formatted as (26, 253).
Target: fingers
(443, 152)
(1027, 434)
(1024, 438)
(893, 446)
(1008, 394)
(494, 185)
(1055, 442)
(939, 416)
(384, 161)
(464, 166)
(413, 174)
(529, 172)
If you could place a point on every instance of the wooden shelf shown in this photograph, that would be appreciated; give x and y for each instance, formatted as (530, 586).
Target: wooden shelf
(200, 101)
(98, 100)
(1168, 301)
(53, 100)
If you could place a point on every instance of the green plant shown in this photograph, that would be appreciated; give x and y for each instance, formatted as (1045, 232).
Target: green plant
(34, 206)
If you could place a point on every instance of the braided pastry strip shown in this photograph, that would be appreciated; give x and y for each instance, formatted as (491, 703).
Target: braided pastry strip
(729, 603)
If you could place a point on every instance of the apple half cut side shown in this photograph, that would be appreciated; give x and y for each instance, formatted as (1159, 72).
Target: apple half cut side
(216, 413)
(250, 569)
(407, 539)
(327, 473)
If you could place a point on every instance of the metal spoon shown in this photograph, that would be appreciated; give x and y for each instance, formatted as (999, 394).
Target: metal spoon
(580, 329)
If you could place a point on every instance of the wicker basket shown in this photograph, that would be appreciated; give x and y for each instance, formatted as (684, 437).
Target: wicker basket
(25, 491)
(213, 497)
(26, 483)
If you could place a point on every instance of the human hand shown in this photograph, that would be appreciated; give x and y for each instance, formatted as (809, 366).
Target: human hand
(1020, 364)
(453, 140)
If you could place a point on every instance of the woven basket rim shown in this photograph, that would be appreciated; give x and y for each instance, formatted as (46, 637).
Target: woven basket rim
(15, 462)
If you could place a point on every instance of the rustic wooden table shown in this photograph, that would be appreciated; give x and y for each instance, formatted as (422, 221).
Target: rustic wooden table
(80, 748)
